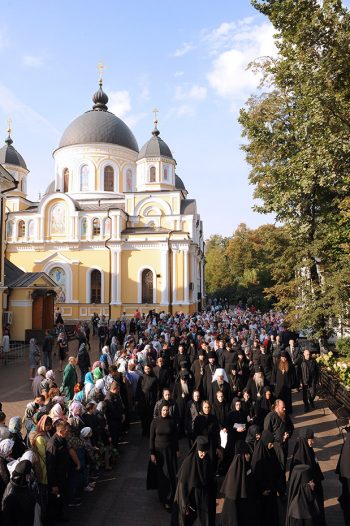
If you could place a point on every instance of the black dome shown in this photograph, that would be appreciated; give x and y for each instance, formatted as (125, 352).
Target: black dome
(155, 147)
(9, 155)
(179, 185)
(99, 126)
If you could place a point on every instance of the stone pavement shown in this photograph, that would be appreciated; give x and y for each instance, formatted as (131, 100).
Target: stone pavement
(121, 496)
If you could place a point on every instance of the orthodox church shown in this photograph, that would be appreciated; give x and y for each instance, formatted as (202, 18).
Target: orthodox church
(115, 229)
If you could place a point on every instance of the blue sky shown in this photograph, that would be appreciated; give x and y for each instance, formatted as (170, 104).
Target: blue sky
(188, 58)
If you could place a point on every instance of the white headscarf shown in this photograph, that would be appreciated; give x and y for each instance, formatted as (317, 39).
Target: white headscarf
(85, 432)
(220, 372)
(6, 446)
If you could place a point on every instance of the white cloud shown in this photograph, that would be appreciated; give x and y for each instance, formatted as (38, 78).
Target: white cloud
(33, 61)
(178, 74)
(184, 49)
(194, 93)
(119, 102)
(133, 119)
(236, 45)
(183, 110)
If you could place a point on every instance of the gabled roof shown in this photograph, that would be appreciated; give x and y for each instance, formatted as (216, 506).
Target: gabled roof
(15, 277)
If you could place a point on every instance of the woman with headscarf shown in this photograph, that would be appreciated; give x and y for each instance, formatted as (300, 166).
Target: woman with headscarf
(106, 360)
(302, 504)
(343, 470)
(57, 413)
(49, 381)
(304, 454)
(114, 348)
(221, 409)
(74, 417)
(182, 394)
(34, 357)
(253, 436)
(263, 406)
(239, 491)
(146, 398)
(195, 496)
(18, 502)
(236, 425)
(15, 426)
(89, 384)
(192, 411)
(164, 449)
(39, 441)
(206, 424)
(269, 478)
(6, 446)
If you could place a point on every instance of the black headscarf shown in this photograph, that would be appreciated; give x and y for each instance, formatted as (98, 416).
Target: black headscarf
(19, 475)
(235, 484)
(301, 498)
(265, 465)
(266, 404)
(304, 454)
(343, 466)
(250, 439)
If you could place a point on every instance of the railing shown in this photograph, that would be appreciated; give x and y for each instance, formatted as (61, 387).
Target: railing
(18, 352)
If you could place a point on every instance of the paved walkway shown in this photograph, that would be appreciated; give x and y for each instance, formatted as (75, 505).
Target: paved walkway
(121, 495)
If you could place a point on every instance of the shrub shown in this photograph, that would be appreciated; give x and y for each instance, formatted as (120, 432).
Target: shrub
(343, 347)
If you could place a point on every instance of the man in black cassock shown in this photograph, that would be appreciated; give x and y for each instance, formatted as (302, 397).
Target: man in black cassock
(309, 377)
(280, 424)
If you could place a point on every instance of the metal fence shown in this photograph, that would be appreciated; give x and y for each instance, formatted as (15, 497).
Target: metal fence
(18, 353)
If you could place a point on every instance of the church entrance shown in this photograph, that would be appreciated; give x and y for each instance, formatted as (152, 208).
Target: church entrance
(147, 286)
(43, 312)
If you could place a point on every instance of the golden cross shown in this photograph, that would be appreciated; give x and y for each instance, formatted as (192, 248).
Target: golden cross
(9, 124)
(100, 68)
(155, 111)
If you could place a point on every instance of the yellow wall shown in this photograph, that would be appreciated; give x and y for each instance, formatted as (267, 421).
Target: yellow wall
(22, 316)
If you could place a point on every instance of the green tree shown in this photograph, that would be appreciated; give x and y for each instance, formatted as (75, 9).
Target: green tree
(298, 146)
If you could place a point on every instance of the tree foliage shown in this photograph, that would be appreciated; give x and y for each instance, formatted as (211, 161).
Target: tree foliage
(298, 146)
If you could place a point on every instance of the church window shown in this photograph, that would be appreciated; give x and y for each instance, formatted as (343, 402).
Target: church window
(23, 185)
(10, 230)
(96, 227)
(107, 230)
(129, 180)
(165, 173)
(83, 228)
(21, 229)
(84, 178)
(152, 174)
(31, 229)
(65, 180)
(147, 286)
(95, 286)
(108, 181)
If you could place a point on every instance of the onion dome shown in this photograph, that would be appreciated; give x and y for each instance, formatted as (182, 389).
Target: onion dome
(9, 154)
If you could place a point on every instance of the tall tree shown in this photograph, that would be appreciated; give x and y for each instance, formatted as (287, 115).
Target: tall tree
(298, 147)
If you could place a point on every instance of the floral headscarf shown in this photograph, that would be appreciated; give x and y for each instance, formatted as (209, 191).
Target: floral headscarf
(75, 409)
(6, 446)
(15, 425)
(56, 413)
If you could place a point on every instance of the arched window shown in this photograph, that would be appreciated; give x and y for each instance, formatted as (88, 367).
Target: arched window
(107, 229)
(10, 226)
(147, 286)
(31, 229)
(129, 180)
(152, 174)
(108, 179)
(84, 178)
(166, 173)
(83, 228)
(65, 180)
(96, 227)
(23, 185)
(95, 286)
(21, 229)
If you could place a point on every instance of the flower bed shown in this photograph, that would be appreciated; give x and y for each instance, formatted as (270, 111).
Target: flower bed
(335, 378)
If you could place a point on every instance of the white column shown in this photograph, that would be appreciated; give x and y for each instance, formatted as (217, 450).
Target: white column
(113, 277)
(174, 270)
(165, 277)
(186, 275)
(118, 277)
(40, 229)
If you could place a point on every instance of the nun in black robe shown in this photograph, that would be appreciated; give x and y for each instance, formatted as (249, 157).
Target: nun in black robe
(221, 409)
(239, 491)
(304, 454)
(164, 449)
(263, 406)
(146, 397)
(302, 506)
(206, 424)
(236, 425)
(343, 470)
(253, 436)
(195, 497)
(269, 478)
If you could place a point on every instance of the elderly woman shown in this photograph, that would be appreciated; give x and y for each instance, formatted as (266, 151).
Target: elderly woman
(15, 426)
(57, 413)
(6, 446)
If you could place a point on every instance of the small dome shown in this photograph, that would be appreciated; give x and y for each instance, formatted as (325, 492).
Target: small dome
(179, 185)
(99, 125)
(9, 155)
(155, 147)
(51, 188)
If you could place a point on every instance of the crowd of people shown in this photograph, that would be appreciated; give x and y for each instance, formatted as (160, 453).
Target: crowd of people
(218, 383)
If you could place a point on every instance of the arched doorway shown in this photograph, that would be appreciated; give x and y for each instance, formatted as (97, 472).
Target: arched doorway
(95, 286)
(147, 286)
